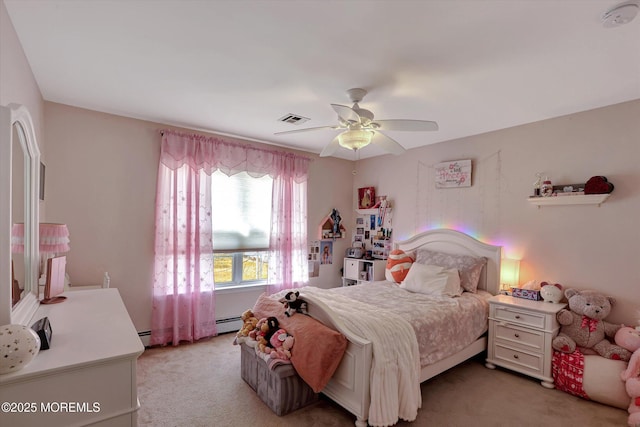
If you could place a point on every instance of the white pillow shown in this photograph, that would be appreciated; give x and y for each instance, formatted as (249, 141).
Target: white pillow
(432, 280)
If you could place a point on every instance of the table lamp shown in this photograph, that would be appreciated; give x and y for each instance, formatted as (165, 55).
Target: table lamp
(509, 274)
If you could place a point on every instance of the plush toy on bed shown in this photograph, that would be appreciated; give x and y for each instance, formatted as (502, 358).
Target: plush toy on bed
(583, 326)
(629, 338)
(282, 343)
(293, 303)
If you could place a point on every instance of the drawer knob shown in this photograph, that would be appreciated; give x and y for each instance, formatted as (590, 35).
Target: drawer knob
(516, 335)
(517, 316)
(515, 356)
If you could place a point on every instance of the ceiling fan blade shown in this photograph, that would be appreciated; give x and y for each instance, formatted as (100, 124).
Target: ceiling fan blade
(345, 113)
(331, 148)
(406, 125)
(307, 129)
(387, 144)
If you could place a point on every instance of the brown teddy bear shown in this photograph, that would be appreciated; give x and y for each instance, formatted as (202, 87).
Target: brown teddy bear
(583, 326)
(249, 322)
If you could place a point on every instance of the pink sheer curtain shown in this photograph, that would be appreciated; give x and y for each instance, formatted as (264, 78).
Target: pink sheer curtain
(183, 289)
(288, 263)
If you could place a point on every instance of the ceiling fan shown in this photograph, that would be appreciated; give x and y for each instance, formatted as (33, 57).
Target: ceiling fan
(360, 129)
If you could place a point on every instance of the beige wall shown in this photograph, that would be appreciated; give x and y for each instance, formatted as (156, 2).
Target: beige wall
(101, 182)
(17, 84)
(576, 246)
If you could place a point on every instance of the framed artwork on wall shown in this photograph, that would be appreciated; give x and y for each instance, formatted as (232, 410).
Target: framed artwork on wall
(366, 197)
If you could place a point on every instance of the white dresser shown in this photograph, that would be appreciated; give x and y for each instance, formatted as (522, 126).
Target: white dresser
(520, 335)
(88, 376)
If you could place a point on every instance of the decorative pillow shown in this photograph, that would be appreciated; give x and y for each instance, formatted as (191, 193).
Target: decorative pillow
(469, 267)
(432, 280)
(398, 265)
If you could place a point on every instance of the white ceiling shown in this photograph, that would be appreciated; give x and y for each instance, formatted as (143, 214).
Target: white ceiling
(236, 67)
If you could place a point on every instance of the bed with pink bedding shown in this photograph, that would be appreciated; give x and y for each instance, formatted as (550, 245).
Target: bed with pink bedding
(442, 325)
(397, 339)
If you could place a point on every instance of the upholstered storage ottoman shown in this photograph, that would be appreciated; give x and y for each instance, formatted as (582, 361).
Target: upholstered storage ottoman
(280, 388)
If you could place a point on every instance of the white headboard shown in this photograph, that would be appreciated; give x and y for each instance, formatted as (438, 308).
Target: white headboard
(455, 242)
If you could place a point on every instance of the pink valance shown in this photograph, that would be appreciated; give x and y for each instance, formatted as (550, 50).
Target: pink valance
(211, 154)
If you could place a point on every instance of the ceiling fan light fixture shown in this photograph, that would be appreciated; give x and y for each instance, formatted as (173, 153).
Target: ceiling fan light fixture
(355, 139)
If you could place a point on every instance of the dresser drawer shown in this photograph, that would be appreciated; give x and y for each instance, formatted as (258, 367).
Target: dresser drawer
(519, 317)
(532, 340)
(523, 361)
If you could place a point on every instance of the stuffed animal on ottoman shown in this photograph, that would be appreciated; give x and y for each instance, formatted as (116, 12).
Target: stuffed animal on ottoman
(282, 343)
(267, 326)
(629, 338)
(583, 326)
(249, 322)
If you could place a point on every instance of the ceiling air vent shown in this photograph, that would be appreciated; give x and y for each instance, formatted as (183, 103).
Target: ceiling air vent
(293, 119)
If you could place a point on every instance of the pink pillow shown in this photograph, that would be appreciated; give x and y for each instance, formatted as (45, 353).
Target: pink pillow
(317, 351)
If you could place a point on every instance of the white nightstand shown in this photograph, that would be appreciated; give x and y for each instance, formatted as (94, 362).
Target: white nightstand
(520, 334)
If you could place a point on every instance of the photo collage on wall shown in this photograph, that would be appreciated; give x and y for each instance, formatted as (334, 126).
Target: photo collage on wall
(320, 253)
(372, 231)
(314, 258)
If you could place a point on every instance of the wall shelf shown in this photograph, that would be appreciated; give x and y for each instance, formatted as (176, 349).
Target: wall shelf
(586, 199)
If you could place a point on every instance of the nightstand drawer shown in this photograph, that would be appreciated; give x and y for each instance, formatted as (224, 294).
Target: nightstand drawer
(520, 359)
(526, 338)
(519, 317)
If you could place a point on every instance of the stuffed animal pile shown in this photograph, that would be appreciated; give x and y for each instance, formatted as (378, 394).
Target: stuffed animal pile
(629, 338)
(266, 336)
(583, 326)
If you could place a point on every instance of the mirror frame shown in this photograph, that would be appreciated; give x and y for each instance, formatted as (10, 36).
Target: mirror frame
(23, 311)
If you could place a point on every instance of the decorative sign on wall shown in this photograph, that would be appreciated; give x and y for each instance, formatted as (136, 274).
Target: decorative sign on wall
(453, 174)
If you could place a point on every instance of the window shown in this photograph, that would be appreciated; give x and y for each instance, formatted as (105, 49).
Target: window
(241, 218)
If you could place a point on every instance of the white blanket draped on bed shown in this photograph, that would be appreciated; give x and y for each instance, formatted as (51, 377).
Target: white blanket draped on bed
(395, 369)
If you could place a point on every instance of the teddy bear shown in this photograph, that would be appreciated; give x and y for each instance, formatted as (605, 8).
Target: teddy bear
(583, 326)
(249, 322)
(629, 338)
(293, 303)
(282, 343)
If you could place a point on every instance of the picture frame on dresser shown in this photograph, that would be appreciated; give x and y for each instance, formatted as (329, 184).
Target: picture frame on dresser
(54, 284)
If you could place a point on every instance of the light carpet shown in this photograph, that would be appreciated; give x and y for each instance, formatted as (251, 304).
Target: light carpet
(199, 385)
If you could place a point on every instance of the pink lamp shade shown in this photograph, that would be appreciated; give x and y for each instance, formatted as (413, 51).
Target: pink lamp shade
(17, 238)
(54, 238)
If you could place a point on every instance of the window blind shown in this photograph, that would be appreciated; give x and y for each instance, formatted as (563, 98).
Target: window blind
(241, 212)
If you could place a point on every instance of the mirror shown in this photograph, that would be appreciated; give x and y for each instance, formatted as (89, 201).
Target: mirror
(19, 161)
(17, 215)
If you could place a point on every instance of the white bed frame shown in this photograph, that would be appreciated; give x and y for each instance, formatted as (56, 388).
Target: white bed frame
(349, 386)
